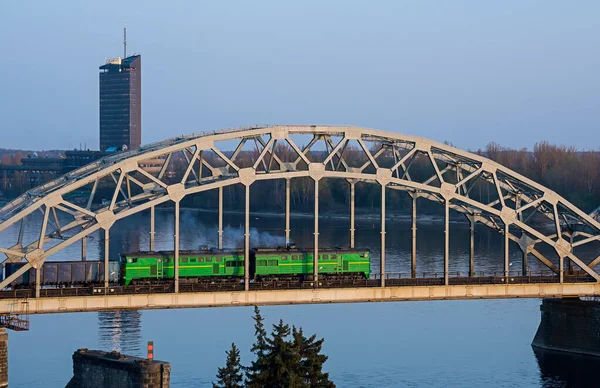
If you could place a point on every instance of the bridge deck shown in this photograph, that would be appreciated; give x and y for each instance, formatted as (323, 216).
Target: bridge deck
(295, 296)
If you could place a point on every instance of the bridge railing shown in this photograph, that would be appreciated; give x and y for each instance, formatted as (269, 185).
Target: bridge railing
(482, 277)
(392, 280)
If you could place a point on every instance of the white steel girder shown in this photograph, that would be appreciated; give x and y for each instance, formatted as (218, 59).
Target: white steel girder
(141, 180)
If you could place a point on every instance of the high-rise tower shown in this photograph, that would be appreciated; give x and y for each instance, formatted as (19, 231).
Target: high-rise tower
(121, 102)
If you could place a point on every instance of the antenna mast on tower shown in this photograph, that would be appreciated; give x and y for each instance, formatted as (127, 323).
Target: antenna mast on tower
(125, 41)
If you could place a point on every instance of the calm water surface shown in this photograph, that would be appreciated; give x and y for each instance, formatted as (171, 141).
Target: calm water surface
(402, 344)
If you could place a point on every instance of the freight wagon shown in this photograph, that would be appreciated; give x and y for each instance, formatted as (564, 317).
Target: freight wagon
(66, 273)
(200, 266)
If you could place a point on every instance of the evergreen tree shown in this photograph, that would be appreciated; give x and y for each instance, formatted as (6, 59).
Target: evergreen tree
(231, 375)
(257, 372)
(279, 357)
(282, 362)
(310, 360)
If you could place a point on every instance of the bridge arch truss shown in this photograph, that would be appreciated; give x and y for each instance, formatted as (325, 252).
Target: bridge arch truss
(166, 171)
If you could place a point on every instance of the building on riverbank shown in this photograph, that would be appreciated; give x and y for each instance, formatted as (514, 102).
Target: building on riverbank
(34, 170)
(121, 103)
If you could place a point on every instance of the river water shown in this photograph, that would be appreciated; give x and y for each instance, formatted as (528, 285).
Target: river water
(401, 344)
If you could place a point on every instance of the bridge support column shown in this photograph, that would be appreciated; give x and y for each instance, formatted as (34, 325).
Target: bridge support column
(83, 248)
(106, 255)
(472, 247)
(506, 252)
(561, 264)
(176, 246)
(3, 358)
(38, 285)
(413, 250)
(446, 239)
(569, 261)
(524, 262)
(152, 216)
(287, 210)
(247, 241)
(569, 325)
(316, 242)
(382, 255)
(352, 185)
(220, 217)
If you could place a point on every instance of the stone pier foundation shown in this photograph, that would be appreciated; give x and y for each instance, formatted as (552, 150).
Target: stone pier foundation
(569, 325)
(3, 358)
(97, 369)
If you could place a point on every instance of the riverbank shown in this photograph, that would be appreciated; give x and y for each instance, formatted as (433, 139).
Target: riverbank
(359, 216)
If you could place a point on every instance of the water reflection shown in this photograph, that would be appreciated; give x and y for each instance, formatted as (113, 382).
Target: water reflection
(120, 331)
(558, 369)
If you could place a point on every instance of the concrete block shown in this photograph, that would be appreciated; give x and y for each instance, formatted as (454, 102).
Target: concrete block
(98, 369)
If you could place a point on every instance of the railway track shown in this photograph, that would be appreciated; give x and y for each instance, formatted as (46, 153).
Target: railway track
(92, 290)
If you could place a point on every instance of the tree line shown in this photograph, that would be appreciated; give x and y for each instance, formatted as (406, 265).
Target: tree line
(571, 173)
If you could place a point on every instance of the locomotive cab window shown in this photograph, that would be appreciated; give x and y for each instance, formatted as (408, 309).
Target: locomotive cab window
(208, 259)
(183, 260)
(294, 257)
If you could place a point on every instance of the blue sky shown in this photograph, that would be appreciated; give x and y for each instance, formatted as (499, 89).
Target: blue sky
(470, 72)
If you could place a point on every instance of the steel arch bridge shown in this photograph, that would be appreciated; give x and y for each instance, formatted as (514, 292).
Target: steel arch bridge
(141, 179)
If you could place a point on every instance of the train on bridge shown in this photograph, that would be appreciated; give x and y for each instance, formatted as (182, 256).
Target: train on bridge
(202, 266)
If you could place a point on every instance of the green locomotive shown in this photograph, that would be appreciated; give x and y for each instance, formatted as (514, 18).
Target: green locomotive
(265, 263)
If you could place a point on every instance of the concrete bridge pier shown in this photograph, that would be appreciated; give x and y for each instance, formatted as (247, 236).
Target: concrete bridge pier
(569, 325)
(3, 358)
(97, 369)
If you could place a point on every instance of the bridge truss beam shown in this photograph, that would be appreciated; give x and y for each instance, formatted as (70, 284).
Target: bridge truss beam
(167, 171)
